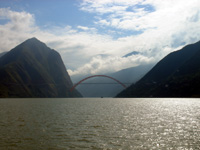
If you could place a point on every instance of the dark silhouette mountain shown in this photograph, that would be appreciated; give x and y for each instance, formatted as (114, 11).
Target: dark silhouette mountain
(104, 87)
(176, 75)
(3, 53)
(33, 70)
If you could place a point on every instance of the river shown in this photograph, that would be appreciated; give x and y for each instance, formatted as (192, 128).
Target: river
(100, 123)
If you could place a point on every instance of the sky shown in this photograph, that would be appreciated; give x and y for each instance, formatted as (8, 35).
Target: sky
(92, 36)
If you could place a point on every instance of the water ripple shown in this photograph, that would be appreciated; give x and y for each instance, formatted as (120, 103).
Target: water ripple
(63, 124)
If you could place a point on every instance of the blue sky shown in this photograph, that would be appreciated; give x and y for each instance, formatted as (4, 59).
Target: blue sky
(50, 12)
(93, 35)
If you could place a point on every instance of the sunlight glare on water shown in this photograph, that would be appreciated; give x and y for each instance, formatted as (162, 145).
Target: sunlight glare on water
(99, 124)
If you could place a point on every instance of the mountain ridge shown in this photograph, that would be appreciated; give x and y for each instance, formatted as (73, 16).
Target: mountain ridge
(32, 69)
(173, 76)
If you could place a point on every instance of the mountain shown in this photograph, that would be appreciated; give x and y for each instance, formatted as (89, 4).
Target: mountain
(3, 53)
(105, 87)
(176, 75)
(132, 53)
(34, 70)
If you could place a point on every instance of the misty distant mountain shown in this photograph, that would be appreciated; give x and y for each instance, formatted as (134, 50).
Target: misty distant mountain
(105, 87)
(132, 53)
(176, 75)
(33, 70)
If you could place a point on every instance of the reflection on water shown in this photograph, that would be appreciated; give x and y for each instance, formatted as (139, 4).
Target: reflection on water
(60, 124)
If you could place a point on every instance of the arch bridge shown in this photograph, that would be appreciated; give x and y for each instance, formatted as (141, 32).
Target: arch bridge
(105, 76)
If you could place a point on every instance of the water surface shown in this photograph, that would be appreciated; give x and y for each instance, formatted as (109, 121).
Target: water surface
(62, 124)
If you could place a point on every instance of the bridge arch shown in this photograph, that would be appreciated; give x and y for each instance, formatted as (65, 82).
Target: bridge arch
(94, 77)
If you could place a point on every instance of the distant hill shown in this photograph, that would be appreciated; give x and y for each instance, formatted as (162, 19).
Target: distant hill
(33, 70)
(176, 75)
(104, 87)
(132, 53)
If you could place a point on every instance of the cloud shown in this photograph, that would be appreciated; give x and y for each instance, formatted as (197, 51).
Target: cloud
(161, 23)
(87, 29)
(107, 6)
(142, 14)
(161, 27)
(83, 28)
(17, 24)
(165, 26)
(76, 48)
(105, 65)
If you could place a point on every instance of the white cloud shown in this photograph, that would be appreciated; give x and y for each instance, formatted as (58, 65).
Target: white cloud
(83, 28)
(145, 14)
(107, 6)
(168, 22)
(104, 65)
(165, 26)
(87, 29)
(103, 22)
(12, 31)
(76, 48)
